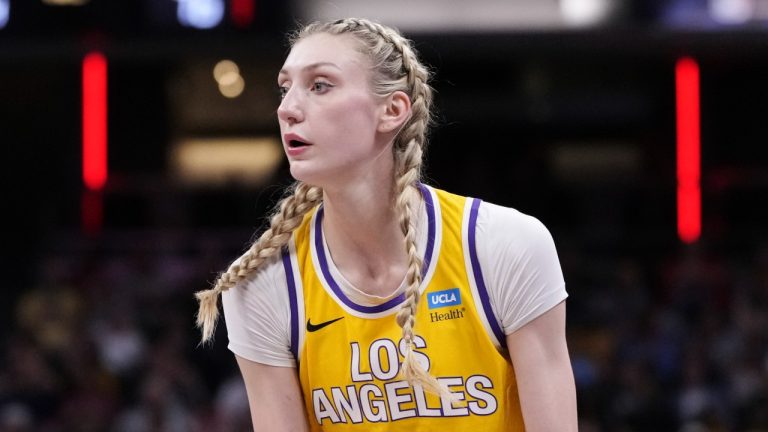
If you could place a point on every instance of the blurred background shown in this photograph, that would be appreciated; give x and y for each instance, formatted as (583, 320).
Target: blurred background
(140, 154)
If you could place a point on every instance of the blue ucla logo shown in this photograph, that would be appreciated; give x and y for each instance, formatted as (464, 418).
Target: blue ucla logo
(449, 297)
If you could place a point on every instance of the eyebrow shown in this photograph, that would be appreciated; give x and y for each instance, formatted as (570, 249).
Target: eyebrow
(312, 67)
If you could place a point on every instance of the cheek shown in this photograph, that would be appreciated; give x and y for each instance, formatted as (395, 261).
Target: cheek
(352, 120)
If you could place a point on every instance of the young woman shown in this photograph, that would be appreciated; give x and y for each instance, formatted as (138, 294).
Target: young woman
(373, 301)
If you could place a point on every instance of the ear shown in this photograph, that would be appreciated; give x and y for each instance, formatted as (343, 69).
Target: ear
(396, 111)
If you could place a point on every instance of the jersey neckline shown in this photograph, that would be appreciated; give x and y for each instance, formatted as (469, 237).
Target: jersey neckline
(322, 265)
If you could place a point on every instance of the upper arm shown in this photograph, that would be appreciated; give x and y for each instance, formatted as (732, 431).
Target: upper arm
(274, 396)
(545, 383)
(520, 265)
(527, 292)
(257, 313)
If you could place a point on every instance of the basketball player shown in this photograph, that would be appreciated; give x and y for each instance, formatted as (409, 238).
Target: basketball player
(375, 302)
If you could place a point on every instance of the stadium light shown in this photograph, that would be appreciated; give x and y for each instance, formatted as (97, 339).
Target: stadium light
(95, 121)
(242, 12)
(222, 160)
(227, 75)
(200, 14)
(94, 76)
(688, 150)
(5, 13)
(584, 13)
(731, 12)
(65, 2)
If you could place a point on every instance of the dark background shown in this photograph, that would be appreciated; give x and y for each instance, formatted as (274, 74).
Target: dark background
(98, 328)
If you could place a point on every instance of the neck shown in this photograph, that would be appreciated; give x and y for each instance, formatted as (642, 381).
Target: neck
(363, 234)
(362, 220)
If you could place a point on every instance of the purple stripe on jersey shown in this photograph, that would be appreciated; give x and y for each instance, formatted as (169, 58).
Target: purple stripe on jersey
(479, 281)
(431, 228)
(294, 303)
(319, 247)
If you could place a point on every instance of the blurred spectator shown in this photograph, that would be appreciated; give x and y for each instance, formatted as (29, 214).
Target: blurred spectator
(15, 417)
(106, 342)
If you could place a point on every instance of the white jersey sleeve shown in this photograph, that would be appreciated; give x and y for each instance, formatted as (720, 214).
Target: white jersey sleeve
(258, 317)
(520, 265)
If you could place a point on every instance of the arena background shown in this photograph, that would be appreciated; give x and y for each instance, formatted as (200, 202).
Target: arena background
(574, 111)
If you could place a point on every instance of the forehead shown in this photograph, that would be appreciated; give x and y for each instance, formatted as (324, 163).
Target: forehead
(339, 50)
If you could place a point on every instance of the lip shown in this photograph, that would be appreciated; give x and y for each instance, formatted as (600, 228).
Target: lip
(295, 151)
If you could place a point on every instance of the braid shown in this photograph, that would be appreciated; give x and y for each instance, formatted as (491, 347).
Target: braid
(288, 216)
(408, 152)
(408, 168)
(408, 157)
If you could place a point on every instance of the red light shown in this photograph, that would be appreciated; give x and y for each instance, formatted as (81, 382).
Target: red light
(242, 12)
(688, 150)
(94, 121)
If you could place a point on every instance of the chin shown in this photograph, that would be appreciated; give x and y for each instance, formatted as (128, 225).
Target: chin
(306, 174)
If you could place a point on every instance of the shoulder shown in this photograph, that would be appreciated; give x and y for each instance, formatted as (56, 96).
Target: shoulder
(519, 261)
(499, 226)
(257, 297)
(510, 229)
(258, 316)
(268, 282)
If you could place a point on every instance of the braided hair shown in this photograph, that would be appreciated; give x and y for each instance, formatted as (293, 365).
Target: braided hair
(394, 66)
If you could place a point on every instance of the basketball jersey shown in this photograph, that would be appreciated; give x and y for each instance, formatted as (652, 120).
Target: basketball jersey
(349, 354)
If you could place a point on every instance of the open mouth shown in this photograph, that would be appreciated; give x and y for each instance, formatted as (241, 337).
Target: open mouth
(296, 143)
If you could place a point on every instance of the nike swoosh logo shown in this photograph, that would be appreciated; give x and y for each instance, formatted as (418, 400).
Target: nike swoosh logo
(315, 327)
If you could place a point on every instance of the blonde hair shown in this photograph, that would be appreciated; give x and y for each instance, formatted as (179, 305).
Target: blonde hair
(394, 66)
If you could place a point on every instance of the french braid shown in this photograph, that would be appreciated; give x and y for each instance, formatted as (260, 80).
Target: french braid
(286, 218)
(395, 66)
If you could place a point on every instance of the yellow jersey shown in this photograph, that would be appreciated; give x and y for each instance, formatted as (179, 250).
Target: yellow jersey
(349, 354)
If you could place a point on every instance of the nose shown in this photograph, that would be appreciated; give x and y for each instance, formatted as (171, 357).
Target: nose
(289, 110)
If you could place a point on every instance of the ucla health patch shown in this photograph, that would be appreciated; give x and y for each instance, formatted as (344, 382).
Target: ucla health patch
(449, 297)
